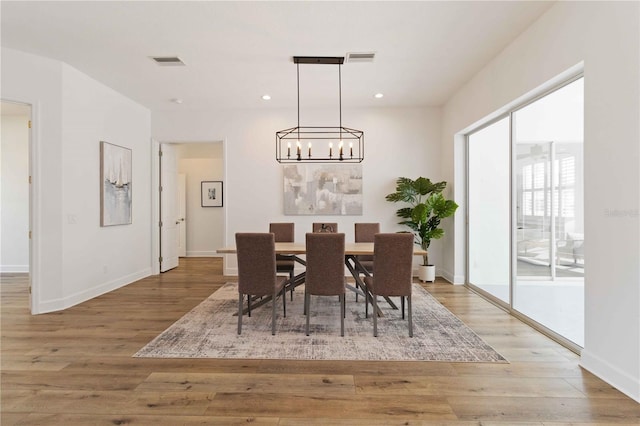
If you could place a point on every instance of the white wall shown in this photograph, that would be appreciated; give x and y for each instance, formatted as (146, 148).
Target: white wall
(205, 225)
(14, 227)
(606, 37)
(398, 142)
(74, 258)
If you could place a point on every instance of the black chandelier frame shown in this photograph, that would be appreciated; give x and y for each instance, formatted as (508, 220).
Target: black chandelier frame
(299, 144)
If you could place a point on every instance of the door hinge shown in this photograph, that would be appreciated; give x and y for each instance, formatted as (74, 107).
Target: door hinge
(160, 224)
(29, 124)
(29, 180)
(29, 289)
(29, 234)
(160, 188)
(160, 153)
(160, 259)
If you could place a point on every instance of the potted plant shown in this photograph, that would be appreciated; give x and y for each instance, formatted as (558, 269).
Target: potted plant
(427, 207)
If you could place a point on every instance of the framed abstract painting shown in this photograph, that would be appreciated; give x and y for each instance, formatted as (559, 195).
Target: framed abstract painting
(115, 185)
(211, 193)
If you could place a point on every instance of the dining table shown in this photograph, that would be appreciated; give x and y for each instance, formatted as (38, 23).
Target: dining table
(351, 253)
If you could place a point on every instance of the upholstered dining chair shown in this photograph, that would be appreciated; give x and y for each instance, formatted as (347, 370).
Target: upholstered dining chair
(393, 254)
(257, 273)
(364, 233)
(284, 233)
(325, 271)
(325, 227)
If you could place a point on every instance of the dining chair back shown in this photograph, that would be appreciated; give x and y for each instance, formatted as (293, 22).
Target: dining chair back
(284, 232)
(325, 271)
(256, 255)
(393, 254)
(325, 227)
(364, 233)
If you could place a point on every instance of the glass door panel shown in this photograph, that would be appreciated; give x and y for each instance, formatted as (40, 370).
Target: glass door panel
(489, 209)
(549, 216)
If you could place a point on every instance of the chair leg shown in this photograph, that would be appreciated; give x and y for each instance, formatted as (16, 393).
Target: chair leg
(307, 302)
(273, 313)
(410, 316)
(240, 300)
(284, 302)
(366, 303)
(402, 305)
(249, 303)
(374, 314)
(342, 314)
(291, 277)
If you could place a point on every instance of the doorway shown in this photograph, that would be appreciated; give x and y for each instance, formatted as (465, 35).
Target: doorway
(16, 188)
(190, 228)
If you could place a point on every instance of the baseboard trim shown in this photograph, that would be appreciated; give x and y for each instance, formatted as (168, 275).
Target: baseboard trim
(46, 306)
(452, 278)
(205, 253)
(617, 378)
(15, 269)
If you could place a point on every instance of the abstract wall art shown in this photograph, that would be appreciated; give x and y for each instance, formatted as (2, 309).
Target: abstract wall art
(323, 189)
(115, 185)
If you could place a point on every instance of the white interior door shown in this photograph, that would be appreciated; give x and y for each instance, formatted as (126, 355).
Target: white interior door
(182, 215)
(168, 208)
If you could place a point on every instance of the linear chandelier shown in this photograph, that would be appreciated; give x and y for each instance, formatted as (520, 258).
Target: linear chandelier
(320, 144)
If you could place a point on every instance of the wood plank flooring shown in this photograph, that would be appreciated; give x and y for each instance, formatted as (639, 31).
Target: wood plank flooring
(75, 367)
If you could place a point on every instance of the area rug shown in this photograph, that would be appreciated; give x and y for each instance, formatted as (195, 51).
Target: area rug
(210, 331)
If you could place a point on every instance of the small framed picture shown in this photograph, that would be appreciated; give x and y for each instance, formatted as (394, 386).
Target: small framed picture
(211, 193)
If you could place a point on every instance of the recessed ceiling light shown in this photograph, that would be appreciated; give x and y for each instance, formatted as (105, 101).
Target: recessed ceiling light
(176, 100)
(378, 95)
(266, 97)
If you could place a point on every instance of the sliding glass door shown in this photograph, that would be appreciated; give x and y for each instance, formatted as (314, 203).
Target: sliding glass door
(489, 209)
(525, 211)
(548, 166)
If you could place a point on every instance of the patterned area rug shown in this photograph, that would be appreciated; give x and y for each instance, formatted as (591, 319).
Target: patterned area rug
(210, 331)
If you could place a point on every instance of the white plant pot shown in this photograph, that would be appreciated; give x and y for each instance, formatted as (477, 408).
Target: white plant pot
(427, 273)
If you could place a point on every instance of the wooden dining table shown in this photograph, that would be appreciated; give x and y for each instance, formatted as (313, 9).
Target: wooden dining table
(351, 253)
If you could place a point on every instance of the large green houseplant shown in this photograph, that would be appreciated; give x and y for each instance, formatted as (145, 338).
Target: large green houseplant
(427, 207)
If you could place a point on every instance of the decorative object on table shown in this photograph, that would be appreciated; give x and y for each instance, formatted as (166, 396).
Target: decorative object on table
(324, 227)
(115, 185)
(320, 144)
(427, 207)
(322, 189)
(210, 331)
(211, 193)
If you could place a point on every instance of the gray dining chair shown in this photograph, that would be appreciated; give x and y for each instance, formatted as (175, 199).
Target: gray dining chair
(257, 276)
(284, 233)
(325, 227)
(393, 254)
(325, 271)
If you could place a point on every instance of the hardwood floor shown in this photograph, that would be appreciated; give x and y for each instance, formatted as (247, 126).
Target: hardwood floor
(75, 367)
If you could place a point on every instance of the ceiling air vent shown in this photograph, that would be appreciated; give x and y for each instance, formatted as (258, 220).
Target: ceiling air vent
(360, 57)
(168, 60)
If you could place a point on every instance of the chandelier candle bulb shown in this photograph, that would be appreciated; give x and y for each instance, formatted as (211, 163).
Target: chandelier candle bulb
(330, 149)
(298, 146)
(288, 149)
(351, 149)
(309, 149)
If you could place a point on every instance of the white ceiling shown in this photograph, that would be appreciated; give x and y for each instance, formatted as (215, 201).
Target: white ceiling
(237, 51)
